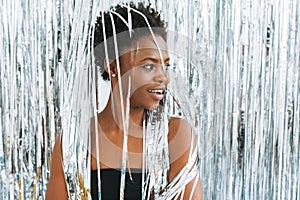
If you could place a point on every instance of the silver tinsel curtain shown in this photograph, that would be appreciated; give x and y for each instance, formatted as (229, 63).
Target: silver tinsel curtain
(242, 68)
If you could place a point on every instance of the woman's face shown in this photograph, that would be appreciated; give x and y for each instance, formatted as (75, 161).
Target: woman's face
(147, 71)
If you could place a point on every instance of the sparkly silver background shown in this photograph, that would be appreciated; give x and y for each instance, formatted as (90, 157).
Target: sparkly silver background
(243, 72)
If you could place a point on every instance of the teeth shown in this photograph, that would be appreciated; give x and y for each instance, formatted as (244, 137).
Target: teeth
(156, 91)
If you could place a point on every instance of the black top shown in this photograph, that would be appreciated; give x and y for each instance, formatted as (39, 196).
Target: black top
(110, 184)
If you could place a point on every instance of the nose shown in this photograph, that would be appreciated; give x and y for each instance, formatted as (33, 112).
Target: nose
(161, 76)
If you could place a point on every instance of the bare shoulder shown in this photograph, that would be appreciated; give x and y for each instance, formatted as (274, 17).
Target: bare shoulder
(57, 188)
(178, 127)
(182, 141)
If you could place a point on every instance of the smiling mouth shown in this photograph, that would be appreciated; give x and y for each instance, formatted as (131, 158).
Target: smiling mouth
(160, 92)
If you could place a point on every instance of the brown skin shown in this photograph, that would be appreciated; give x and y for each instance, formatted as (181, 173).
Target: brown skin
(180, 135)
(110, 134)
(57, 188)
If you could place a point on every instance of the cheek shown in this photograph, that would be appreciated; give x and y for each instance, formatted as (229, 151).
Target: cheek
(168, 78)
(138, 93)
(139, 80)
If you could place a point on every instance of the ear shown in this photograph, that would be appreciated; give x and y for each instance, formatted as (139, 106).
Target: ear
(111, 66)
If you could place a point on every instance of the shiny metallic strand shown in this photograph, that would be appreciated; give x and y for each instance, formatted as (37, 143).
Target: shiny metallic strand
(242, 72)
(256, 73)
(25, 87)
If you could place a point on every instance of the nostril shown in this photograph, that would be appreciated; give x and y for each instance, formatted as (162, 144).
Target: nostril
(161, 78)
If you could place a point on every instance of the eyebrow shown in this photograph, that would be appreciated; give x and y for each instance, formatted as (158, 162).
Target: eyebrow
(154, 59)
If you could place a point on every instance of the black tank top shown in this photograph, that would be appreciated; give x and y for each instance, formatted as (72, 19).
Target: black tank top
(110, 184)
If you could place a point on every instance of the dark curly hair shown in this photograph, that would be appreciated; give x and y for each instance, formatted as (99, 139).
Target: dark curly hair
(122, 31)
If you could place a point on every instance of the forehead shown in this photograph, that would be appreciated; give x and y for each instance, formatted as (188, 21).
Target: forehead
(150, 47)
(154, 42)
(146, 48)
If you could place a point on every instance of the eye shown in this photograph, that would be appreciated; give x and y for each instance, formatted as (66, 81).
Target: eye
(166, 67)
(148, 66)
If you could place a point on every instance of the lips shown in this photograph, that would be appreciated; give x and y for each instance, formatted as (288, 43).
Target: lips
(156, 91)
(157, 94)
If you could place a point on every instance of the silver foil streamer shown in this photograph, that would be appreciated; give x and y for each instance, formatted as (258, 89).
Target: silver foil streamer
(240, 67)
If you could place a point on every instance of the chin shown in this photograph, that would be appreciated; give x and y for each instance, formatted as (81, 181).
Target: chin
(152, 107)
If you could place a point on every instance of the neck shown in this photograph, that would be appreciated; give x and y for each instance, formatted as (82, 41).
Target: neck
(112, 115)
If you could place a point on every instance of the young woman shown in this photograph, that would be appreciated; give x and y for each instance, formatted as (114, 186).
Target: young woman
(132, 157)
